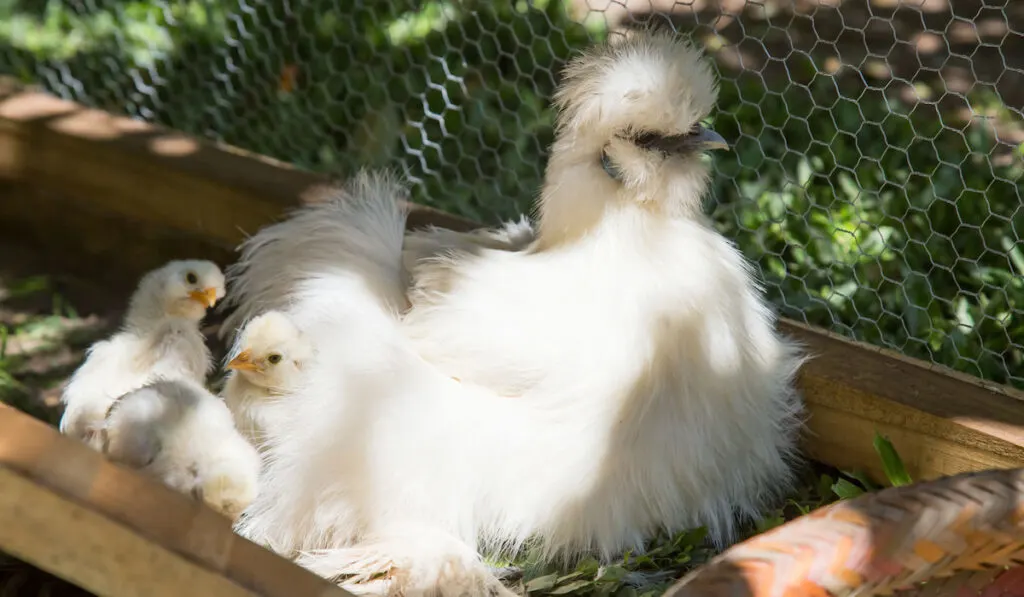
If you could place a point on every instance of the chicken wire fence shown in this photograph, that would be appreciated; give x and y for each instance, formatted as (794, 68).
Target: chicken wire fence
(875, 174)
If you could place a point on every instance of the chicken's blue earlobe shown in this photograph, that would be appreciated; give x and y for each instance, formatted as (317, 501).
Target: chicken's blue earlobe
(609, 167)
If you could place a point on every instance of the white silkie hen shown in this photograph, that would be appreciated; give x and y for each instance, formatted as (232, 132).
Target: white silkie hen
(620, 375)
(181, 434)
(159, 338)
(266, 364)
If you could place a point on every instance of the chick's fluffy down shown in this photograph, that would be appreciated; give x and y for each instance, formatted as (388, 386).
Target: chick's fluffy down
(183, 435)
(159, 339)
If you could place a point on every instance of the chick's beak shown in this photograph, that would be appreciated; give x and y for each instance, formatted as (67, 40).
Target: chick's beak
(207, 296)
(709, 139)
(243, 362)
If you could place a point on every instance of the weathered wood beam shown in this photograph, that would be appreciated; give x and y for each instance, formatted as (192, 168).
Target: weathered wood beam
(67, 510)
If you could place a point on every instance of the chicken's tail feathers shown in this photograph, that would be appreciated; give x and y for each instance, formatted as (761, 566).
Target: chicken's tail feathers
(358, 228)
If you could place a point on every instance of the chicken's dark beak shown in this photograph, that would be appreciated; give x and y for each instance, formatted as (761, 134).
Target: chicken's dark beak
(707, 139)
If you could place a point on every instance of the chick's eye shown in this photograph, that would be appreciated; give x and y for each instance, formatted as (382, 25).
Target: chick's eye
(274, 359)
(191, 278)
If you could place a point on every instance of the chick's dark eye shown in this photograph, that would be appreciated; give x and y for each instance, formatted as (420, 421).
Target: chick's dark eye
(191, 278)
(274, 359)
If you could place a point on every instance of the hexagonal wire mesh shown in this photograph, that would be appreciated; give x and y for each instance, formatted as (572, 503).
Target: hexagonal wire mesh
(875, 176)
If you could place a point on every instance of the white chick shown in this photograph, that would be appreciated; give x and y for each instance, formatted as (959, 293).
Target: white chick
(265, 364)
(621, 375)
(159, 338)
(183, 435)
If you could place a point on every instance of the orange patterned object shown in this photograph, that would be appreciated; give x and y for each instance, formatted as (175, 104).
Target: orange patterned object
(961, 536)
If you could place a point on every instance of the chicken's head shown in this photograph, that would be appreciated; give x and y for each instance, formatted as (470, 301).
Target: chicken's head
(185, 288)
(190, 287)
(271, 352)
(631, 128)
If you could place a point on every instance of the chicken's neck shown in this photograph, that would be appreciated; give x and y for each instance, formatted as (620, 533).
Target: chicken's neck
(248, 391)
(568, 218)
(146, 316)
(575, 198)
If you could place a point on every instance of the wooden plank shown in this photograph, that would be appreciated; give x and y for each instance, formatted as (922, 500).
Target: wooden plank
(116, 533)
(136, 174)
(149, 173)
(940, 421)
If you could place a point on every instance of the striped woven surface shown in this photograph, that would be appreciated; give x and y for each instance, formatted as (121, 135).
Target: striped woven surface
(961, 536)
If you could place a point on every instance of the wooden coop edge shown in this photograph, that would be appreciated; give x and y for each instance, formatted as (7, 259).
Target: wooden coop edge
(145, 175)
(117, 533)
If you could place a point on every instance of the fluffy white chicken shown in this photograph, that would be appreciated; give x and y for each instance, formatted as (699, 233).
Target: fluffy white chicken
(627, 301)
(620, 375)
(266, 363)
(159, 338)
(183, 435)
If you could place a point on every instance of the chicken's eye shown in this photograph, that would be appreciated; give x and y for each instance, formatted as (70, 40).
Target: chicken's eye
(274, 359)
(191, 278)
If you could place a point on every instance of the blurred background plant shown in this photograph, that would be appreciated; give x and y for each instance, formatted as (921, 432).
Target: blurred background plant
(876, 171)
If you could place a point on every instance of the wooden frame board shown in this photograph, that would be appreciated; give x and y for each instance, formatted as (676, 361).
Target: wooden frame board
(96, 184)
(116, 533)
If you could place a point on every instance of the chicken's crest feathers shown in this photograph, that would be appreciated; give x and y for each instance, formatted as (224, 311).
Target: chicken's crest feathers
(651, 81)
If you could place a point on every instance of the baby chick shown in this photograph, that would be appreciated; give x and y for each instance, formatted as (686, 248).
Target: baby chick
(267, 361)
(178, 432)
(159, 338)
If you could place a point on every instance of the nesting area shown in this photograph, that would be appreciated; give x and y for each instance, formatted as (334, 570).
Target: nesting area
(910, 467)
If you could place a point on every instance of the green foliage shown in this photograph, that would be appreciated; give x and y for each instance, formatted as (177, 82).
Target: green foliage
(888, 224)
(634, 575)
(895, 471)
